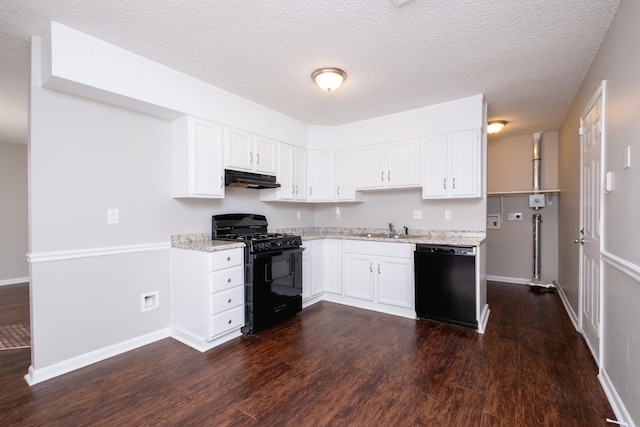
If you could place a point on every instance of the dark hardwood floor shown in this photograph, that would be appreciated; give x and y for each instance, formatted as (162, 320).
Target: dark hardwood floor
(334, 365)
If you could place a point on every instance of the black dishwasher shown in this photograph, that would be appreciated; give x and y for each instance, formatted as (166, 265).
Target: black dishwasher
(445, 284)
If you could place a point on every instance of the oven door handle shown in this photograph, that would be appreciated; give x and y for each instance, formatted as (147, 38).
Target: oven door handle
(293, 251)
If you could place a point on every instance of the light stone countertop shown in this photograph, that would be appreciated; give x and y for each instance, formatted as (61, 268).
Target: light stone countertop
(201, 241)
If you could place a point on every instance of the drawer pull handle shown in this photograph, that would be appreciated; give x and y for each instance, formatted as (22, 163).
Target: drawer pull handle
(229, 280)
(228, 258)
(229, 300)
(229, 322)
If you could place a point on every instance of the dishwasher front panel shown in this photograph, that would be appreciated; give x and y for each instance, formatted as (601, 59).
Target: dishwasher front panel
(445, 285)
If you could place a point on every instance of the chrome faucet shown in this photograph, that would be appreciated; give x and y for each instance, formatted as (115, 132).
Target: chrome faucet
(392, 230)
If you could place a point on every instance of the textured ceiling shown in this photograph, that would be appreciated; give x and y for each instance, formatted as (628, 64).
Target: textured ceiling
(527, 56)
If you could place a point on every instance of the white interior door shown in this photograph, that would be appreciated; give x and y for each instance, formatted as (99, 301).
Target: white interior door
(589, 239)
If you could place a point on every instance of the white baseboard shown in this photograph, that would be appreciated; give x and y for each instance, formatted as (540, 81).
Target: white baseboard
(35, 376)
(567, 307)
(199, 344)
(504, 279)
(14, 281)
(622, 415)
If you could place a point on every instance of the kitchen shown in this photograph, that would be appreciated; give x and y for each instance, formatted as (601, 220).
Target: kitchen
(85, 141)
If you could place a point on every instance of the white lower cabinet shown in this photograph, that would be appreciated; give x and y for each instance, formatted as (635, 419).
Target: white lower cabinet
(207, 296)
(377, 276)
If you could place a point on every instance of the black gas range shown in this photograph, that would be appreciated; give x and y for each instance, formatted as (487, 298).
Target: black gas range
(273, 268)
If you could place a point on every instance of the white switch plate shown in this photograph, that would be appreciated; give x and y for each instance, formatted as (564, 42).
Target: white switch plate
(298, 215)
(113, 216)
(417, 214)
(337, 212)
(627, 157)
(447, 214)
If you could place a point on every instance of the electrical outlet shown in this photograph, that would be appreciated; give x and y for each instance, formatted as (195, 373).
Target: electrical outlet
(517, 216)
(417, 214)
(298, 215)
(510, 216)
(337, 212)
(447, 214)
(113, 216)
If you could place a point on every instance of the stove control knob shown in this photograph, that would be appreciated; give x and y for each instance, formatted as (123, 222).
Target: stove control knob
(267, 246)
(279, 243)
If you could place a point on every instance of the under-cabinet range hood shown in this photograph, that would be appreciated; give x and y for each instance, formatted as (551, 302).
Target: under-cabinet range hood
(258, 181)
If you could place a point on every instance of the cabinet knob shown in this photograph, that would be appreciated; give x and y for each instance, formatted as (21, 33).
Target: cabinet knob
(229, 300)
(228, 258)
(229, 280)
(229, 322)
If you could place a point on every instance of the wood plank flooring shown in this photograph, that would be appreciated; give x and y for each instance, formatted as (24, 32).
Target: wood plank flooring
(334, 365)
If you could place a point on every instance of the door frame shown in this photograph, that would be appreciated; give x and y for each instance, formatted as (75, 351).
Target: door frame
(600, 93)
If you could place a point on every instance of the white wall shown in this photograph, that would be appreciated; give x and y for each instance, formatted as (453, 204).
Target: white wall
(397, 206)
(616, 62)
(86, 157)
(13, 214)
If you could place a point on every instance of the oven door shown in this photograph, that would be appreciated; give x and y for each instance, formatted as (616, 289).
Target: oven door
(277, 277)
(273, 288)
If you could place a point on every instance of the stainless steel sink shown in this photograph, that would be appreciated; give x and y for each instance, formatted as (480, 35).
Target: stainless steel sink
(383, 235)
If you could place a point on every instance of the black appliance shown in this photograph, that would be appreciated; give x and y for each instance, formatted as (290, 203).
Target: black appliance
(445, 284)
(273, 269)
(249, 179)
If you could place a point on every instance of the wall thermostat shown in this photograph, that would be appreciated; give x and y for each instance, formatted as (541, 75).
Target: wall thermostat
(536, 201)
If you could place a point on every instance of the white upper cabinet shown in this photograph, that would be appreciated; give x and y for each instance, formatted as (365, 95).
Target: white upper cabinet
(248, 152)
(197, 158)
(345, 177)
(391, 165)
(452, 165)
(320, 176)
(291, 174)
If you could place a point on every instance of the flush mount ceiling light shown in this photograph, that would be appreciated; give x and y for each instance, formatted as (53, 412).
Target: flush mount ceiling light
(495, 126)
(329, 79)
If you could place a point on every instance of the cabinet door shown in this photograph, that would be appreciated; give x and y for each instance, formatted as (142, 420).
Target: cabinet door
(265, 159)
(300, 173)
(286, 174)
(435, 170)
(345, 173)
(320, 176)
(370, 168)
(465, 163)
(239, 150)
(395, 281)
(307, 271)
(327, 275)
(196, 159)
(403, 164)
(358, 276)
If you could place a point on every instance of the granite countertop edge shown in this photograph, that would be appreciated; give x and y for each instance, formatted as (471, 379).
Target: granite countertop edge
(201, 241)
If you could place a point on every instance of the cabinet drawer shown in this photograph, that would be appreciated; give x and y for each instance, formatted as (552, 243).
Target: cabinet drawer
(226, 300)
(224, 259)
(226, 321)
(225, 279)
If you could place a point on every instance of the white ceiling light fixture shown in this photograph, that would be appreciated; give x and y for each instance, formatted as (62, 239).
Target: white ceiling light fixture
(329, 79)
(495, 126)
